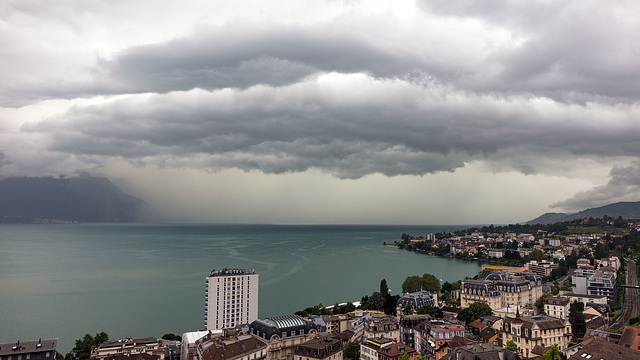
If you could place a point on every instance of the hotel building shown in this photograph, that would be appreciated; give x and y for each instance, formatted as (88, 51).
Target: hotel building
(231, 298)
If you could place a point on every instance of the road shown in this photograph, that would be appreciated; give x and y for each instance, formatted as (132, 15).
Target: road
(631, 303)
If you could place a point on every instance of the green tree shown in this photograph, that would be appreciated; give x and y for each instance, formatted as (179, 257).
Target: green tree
(384, 289)
(600, 251)
(375, 302)
(552, 353)
(404, 356)
(474, 311)
(352, 350)
(540, 303)
(511, 346)
(536, 255)
(577, 319)
(84, 346)
(172, 337)
(446, 288)
(425, 282)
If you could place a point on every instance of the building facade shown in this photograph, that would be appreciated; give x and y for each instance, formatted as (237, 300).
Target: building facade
(231, 298)
(540, 330)
(29, 350)
(284, 333)
(128, 346)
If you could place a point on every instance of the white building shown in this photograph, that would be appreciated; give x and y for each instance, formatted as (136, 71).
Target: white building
(231, 298)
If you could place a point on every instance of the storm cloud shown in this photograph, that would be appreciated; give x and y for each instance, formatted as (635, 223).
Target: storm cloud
(346, 89)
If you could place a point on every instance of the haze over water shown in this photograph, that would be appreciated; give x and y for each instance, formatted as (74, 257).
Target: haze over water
(144, 280)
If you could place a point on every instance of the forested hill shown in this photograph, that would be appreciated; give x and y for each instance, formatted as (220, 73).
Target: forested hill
(627, 210)
(86, 199)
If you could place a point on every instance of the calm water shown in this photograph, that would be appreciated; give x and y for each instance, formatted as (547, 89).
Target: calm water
(144, 280)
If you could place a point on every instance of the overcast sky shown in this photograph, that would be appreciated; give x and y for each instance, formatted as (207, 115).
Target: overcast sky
(411, 112)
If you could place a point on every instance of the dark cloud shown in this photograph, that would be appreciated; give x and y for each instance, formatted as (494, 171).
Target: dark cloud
(624, 185)
(572, 51)
(391, 128)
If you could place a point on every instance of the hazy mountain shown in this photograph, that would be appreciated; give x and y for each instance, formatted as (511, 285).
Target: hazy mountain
(86, 199)
(628, 210)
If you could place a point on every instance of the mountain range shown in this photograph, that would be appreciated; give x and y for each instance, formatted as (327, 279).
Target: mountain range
(628, 210)
(82, 199)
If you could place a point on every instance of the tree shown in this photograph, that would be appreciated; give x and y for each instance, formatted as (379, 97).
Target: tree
(446, 288)
(384, 289)
(577, 319)
(404, 356)
(84, 346)
(375, 302)
(600, 251)
(172, 337)
(474, 311)
(511, 346)
(352, 350)
(552, 353)
(425, 282)
(536, 255)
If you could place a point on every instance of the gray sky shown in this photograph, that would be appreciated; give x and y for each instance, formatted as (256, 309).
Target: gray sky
(416, 112)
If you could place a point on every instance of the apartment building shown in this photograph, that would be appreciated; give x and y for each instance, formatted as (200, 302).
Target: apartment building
(557, 307)
(529, 331)
(502, 289)
(284, 333)
(41, 349)
(231, 298)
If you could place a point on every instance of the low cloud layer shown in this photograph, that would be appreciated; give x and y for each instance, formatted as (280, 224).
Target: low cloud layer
(347, 89)
(623, 185)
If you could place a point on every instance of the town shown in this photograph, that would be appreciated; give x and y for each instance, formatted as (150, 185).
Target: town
(557, 292)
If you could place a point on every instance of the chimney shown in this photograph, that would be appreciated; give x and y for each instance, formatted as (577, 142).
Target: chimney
(501, 354)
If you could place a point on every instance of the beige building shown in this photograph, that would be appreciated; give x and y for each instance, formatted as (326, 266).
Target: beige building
(232, 346)
(284, 333)
(542, 268)
(323, 348)
(557, 307)
(502, 289)
(529, 331)
(128, 346)
(386, 327)
(480, 291)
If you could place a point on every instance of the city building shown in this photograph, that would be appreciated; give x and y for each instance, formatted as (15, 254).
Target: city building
(595, 283)
(369, 347)
(284, 333)
(29, 350)
(322, 348)
(189, 347)
(542, 268)
(416, 300)
(557, 307)
(597, 348)
(480, 351)
(231, 298)
(502, 289)
(382, 327)
(231, 346)
(128, 347)
(540, 330)
(479, 290)
(395, 351)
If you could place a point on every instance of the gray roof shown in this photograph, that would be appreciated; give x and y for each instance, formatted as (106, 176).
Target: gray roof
(276, 325)
(27, 347)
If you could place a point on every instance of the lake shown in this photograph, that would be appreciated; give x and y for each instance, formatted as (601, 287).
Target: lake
(139, 280)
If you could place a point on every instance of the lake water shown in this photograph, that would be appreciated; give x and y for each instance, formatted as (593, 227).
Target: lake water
(139, 280)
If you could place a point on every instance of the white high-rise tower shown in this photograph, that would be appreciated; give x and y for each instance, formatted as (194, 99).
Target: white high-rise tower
(231, 298)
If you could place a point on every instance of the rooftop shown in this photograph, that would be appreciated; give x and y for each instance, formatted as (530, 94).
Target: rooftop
(231, 271)
(26, 347)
